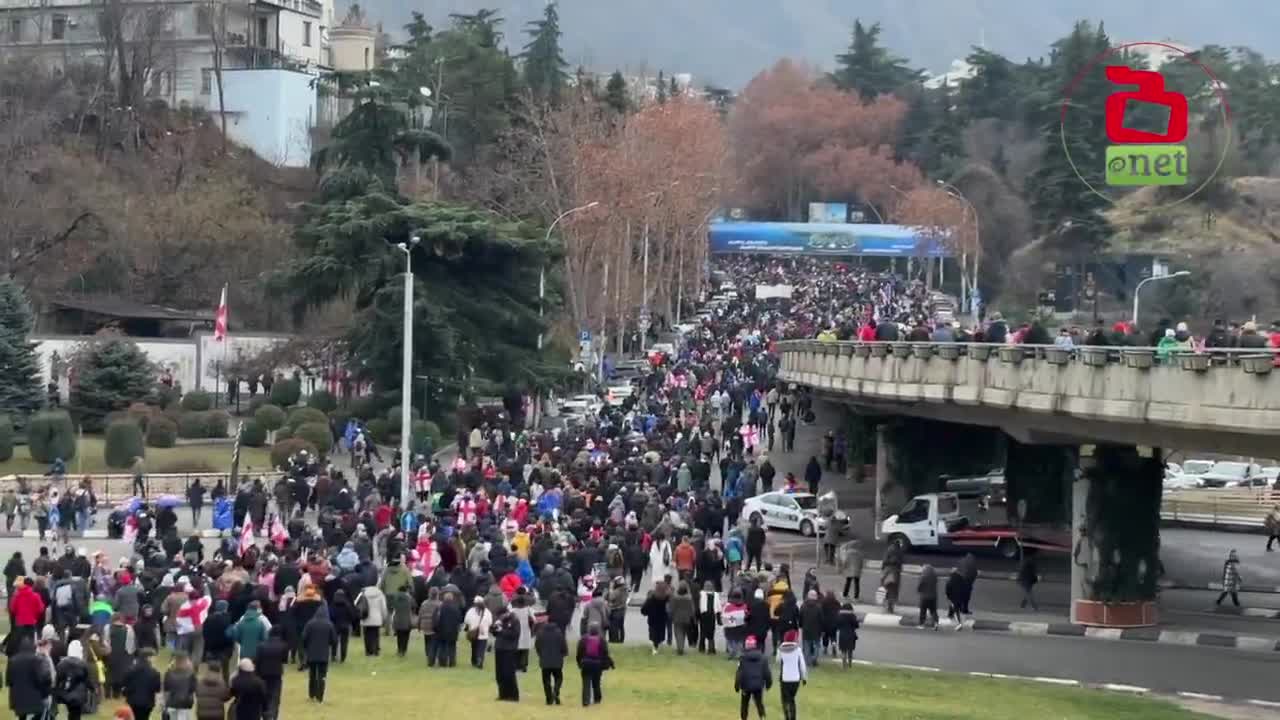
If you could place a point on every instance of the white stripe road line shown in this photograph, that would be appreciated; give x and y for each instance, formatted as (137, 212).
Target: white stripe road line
(917, 668)
(1247, 642)
(1174, 637)
(1103, 633)
(1199, 696)
(1055, 681)
(981, 674)
(1126, 688)
(881, 620)
(1029, 628)
(1260, 612)
(1264, 703)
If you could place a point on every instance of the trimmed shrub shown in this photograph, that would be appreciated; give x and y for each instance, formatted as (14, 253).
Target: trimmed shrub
(305, 415)
(191, 426)
(197, 401)
(379, 429)
(323, 400)
(6, 438)
(270, 417)
(51, 435)
(393, 417)
(425, 438)
(162, 432)
(283, 433)
(256, 402)
(165, 396)
(253, 435)
(122, 444)
(364, 408)
(317, 434)
(215, 423)
(286, 393)
(285, 449)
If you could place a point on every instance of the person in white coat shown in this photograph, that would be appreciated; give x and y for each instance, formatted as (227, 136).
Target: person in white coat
(792, 673)
(661, 558)
(371, 604)
(476, 624)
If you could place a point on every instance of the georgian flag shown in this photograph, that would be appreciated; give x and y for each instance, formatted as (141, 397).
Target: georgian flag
(246, 536)
(220, 319)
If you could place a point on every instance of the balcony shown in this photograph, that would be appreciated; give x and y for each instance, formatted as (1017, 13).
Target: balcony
(305, 7)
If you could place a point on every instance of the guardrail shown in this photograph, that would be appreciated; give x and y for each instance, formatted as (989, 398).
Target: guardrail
(1247, 507)
(113, 488)
(1258, 361)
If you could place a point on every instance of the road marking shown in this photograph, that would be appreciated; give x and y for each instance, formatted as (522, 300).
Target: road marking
(1260, 613)
(1246, 642)
(1264, 703)
(881, 620)
(918, 668)
(1055, 681)
(1103, 633)
(1200, 696)
(862, 662)
(1126, 688)
(1174, 637)
(981, 674)
(1029, 628)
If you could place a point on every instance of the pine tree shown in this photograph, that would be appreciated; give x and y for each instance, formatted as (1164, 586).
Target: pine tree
(544, 65)
(674, 91)
(20, 393)
(615, 92)
(111, 374)
(869, 69)
(945, 144)
(662, 88)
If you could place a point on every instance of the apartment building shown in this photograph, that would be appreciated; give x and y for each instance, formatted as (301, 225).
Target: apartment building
(272, 51)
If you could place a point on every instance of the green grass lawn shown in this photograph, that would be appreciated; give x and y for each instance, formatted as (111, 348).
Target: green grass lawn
(656, 688)
(183, 458)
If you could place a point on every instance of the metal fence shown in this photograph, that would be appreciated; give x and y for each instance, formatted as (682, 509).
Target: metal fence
(1246, 506)
(113, 488)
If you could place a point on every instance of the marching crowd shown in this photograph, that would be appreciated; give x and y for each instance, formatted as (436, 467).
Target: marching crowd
(525, 539)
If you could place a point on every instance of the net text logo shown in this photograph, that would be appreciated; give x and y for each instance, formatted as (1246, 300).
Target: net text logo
(1141, 157)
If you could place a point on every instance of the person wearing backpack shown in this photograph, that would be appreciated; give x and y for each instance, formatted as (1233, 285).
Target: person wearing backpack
(593, 659)
(371, 606)
(74, 683)
(180, 688)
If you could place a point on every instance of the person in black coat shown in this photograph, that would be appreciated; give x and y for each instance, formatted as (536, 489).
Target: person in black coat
(141, 685)
(343, 616)
(552, 648)
(655, 610)
(506, 646)
(218, 648)
(249, 693)
(758, 619)
(755, 546)
(560, 609)
(269, 663)
(319, 640)
(30, 682)
(813, 474)
(448, 625)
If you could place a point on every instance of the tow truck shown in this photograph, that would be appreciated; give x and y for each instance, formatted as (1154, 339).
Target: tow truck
(934, 521)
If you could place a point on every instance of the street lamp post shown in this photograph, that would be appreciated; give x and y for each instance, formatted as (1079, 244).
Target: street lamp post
(406, 371)
(977, 250)
(1137, 290)
(542, 274)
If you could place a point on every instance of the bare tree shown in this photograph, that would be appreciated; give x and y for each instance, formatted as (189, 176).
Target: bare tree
(217, 13)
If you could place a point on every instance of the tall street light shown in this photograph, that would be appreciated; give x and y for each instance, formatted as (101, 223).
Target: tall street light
(542, 274)
(406, 370)
(954, 191)
(1179, 274)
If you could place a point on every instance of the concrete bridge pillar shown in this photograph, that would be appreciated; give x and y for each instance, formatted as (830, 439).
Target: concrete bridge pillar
(1115, 536)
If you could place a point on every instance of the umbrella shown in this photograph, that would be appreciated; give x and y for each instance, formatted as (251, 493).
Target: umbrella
(130, 505)
(168, 501)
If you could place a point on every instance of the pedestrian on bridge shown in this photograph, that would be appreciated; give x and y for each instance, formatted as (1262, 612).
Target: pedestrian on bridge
(1230, 579)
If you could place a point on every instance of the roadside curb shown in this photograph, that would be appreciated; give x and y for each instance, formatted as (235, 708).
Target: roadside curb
(1041, 629)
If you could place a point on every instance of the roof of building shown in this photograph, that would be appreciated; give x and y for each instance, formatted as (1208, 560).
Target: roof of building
(112, 306)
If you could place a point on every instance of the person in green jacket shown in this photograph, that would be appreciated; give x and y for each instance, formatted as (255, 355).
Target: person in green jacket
(400, 607)
(1168, 345)
(250, 631)
(396, 578)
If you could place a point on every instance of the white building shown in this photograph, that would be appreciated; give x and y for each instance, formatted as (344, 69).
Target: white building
(273, 51)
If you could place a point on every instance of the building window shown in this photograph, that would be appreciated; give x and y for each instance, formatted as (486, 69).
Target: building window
(306, 34)
(204, 21)
(262, 32)
(15, 30)
(206, 81)
(366, 58)
(58, 28)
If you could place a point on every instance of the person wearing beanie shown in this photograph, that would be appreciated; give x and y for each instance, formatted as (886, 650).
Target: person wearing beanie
(792, 672)
(752, 679)
(249, 693)
(847, 633)
(759, 619)
(477, 623)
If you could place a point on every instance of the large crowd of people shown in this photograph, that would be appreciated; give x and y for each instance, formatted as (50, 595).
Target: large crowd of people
(525, 539)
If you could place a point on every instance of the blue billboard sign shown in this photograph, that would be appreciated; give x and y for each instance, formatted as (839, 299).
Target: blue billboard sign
(822, 239)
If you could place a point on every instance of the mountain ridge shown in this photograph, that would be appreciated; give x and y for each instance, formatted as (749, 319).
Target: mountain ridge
(727, 41)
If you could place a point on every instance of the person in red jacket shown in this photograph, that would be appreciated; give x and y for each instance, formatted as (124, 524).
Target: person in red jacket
(26, 609)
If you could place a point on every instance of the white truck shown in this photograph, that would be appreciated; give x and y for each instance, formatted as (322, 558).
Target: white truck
(934, 521)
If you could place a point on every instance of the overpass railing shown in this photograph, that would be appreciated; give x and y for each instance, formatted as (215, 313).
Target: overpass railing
(115, 487)
(1259, 361)
(1227, 506)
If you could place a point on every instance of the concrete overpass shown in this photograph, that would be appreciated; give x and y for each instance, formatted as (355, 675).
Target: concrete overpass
(1090, 425)
(1226, 403)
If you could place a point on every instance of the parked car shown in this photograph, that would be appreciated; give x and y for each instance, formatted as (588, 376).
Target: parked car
(990, 487)
(1186, 475)
(1229, 473)
(794, 511)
